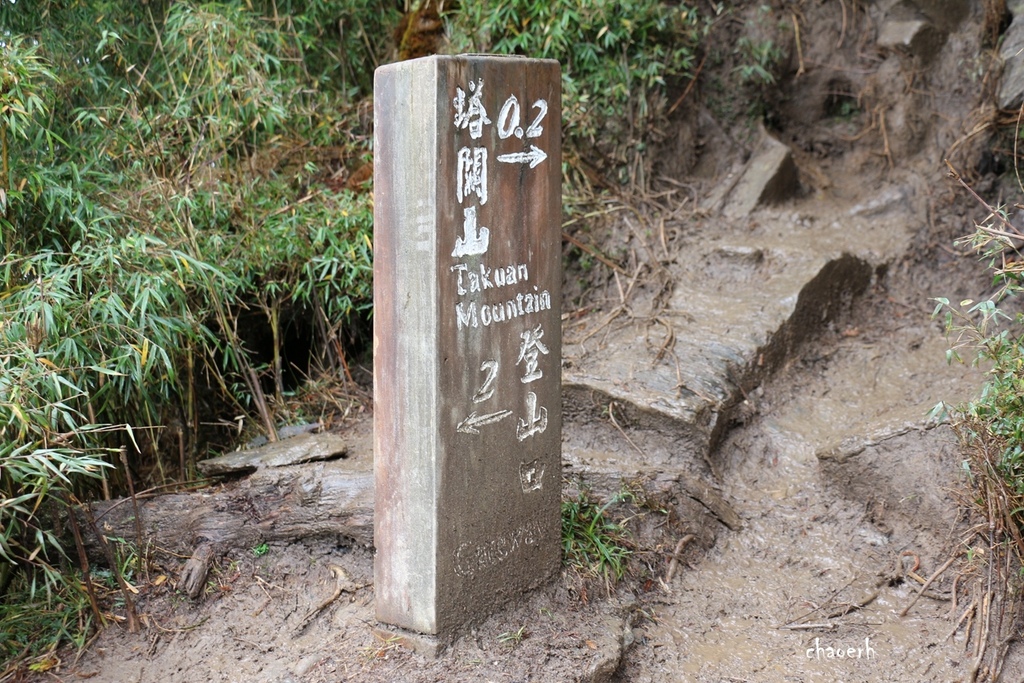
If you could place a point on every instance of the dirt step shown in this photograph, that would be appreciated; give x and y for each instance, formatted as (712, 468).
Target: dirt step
(742, 302)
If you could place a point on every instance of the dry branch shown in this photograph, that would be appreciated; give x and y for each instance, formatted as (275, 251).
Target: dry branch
(927, 583)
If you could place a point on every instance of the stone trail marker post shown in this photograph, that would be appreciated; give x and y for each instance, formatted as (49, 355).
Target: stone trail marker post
(467, 336)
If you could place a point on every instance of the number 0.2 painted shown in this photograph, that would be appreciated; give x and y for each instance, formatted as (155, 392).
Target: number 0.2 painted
(508, 119)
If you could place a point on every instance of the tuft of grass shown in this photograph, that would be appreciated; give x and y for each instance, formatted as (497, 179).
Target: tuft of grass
(593, 543)
(513, 638)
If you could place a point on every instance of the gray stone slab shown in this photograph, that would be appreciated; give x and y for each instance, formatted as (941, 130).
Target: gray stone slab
(916, 35)
(1011, 88)
(291, 451)
(947, 14)
(467, 336)
(770, 177)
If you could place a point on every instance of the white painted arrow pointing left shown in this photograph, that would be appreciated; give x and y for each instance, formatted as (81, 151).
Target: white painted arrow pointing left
(471, 423)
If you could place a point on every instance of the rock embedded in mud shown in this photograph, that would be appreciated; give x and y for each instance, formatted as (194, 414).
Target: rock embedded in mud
(611, 645)
(1011, 89)
(770, 177)
(907, 27)
(292, 451)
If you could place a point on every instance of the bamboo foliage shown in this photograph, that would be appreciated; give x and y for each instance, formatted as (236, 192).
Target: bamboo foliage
(160, 176)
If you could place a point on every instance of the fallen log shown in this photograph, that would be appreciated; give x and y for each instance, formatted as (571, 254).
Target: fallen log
(273, 504)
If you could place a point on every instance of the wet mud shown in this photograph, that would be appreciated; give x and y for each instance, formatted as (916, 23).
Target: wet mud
(844, 486)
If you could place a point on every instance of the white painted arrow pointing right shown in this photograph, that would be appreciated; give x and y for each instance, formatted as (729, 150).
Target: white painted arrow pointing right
(534, 156)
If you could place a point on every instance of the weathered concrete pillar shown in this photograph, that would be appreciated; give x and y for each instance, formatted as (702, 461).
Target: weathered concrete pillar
(467, 336)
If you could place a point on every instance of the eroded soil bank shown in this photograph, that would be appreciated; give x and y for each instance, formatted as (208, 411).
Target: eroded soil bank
(758, 368)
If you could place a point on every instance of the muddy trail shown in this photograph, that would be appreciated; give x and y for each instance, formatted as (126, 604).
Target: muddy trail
(846, 491)
(749, 367)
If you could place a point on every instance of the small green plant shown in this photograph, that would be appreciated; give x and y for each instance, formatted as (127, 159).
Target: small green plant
(592, 542)
(127, 557)
(991, 427)
(260, 550)
(758, 60)
(513, 638)
(758, 56)
(996, 416)
(846, 108)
